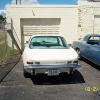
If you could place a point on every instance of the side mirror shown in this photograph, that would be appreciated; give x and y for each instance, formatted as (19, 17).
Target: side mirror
(70, 45)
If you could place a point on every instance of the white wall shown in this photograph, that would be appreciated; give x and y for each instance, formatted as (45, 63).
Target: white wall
(89, 18)
(67, 13)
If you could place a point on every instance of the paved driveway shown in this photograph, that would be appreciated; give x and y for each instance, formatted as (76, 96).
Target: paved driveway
(84, 85)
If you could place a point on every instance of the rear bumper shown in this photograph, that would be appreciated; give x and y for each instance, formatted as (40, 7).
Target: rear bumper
(53, 66)
(45, 68)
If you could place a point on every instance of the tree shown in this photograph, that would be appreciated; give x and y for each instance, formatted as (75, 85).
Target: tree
(2, 19)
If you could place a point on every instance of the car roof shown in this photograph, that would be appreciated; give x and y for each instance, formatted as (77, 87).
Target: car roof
(46, 35)
(93, 35)
(86, 37)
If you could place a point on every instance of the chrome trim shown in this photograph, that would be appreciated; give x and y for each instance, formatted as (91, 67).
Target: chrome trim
(53, 66)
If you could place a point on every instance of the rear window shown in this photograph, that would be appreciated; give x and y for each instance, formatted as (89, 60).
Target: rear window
(43, 42)
(94, 40)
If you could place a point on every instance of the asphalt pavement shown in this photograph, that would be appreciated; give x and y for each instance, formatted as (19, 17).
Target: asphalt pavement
(83, 85)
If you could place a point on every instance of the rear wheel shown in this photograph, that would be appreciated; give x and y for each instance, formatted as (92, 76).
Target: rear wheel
(26, 74)
(33, 73)
(71, 71)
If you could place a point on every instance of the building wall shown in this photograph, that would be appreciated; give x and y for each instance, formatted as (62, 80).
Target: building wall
(68, 15)
(89, 18)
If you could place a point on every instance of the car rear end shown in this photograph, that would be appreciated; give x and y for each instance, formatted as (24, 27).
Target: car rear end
(50, 55)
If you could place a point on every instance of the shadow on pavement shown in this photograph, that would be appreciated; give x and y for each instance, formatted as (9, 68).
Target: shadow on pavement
(91, 64)
(63, 78)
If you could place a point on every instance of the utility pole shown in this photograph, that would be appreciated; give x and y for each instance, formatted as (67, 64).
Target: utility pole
(20, 2)
(16, 2)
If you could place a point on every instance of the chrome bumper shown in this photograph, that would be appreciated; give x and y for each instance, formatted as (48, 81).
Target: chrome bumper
(52, 66)
(45, 68)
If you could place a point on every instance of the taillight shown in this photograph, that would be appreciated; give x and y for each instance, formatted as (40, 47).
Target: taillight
(29, 62)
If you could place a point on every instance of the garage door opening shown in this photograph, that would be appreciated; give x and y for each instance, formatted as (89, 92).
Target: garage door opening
(39, 26)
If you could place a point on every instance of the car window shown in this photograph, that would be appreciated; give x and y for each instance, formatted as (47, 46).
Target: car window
(94, 40)
(47, 42)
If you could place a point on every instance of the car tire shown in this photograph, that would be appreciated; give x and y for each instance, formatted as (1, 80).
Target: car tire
(71, 71)
(26, 74)
(33, 74)
(79, 53)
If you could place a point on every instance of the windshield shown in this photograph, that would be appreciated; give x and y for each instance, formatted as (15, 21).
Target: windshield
(43, 42)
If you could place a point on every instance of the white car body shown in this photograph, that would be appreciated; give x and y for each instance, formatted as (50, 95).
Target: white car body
(50, 61)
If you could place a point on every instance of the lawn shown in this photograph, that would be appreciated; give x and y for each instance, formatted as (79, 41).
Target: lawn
(5, 50)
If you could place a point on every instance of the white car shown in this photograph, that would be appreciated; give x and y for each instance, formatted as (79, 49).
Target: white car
(49, 54)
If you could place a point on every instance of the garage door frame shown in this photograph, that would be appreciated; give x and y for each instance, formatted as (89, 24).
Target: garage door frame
(49, 27)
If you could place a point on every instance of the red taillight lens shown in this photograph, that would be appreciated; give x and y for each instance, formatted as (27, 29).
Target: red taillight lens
(29, 62)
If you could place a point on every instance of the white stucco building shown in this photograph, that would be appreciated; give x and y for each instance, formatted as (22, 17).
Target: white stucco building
(89, 16)
(72, 21)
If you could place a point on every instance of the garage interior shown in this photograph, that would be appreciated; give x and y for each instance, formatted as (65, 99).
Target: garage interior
(38, 26)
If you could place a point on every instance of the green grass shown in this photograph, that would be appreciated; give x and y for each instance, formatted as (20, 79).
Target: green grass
(6, 51)
(2, 50)
(1, 39)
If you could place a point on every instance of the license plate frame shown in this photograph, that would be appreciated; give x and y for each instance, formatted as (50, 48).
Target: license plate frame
(53, 72)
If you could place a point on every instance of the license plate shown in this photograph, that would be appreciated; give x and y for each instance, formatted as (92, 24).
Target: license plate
(53, 72)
